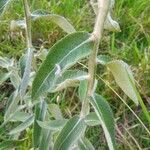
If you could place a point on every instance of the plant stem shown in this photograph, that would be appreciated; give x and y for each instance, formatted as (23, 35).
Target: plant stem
(28, 24)
(103, 7)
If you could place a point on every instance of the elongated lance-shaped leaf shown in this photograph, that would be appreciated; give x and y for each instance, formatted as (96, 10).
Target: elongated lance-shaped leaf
(61, 56)
(26, 75)
(69, 78)
(92, 120)
(23, 125)
(46, 140)
(123, 77)
(70, 134)
(53, 124)
(20, 116)
(4, 4)
(85, 144)
(57, 19)
(105, 116)
(40, 112)
(12, 105)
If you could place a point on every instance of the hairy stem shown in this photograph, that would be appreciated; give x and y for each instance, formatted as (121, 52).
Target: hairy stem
(28, 23)
(103, 6)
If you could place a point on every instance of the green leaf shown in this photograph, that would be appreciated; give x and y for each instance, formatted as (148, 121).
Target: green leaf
(123, 77)
(85, 144)
(40, 112)
(69, 134)
(4, 4)
(57, 19)
(12, 105)
(103, 59)
(26, 75)
(70, 78)
(20, 116)
(53, 124)
(92, 120)
(82, 90)
(61, 56)
(105, 116)
(6, 62)
(55, 111)
(22, 126)
(46, 140)
(4, 77)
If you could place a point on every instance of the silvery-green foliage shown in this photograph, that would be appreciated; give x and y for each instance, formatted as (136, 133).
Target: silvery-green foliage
(28, 103)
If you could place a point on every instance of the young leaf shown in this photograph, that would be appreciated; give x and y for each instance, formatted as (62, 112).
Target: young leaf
(40, 112)
(123, 77)
(4, 77)
(110, 24)
(85, 144)
(23, 125)
(92, 120)
(82, 90)
(103, 59)
(61, 56)
(59, 20)
(53, 124)
(69, 134)
(106, 119)
(69, 78)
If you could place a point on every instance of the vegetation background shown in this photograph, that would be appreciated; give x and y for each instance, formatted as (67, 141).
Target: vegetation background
(132, 45)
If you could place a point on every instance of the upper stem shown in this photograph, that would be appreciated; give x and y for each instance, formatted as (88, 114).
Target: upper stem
(28, 23)
(103, 6)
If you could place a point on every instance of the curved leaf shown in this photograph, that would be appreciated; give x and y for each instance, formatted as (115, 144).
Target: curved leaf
(85, 144)
(23, 125)
(123, 77)
(69, 78)
(53, 124)
(57, 19)
(105, 116)
(61, 56)
(92, 120)
(69, 134)
(103, 59)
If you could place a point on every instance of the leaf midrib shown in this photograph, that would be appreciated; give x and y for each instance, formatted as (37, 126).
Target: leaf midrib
(86, 41)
